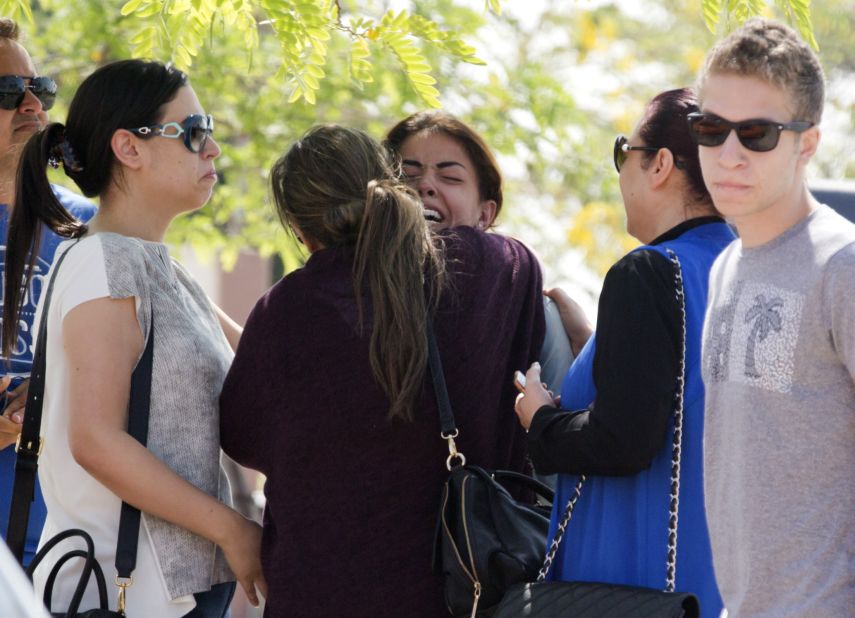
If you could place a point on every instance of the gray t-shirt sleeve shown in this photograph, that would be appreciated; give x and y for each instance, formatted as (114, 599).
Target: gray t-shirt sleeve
(839, 306)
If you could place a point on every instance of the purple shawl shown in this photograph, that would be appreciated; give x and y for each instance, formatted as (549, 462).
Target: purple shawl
(352, 497)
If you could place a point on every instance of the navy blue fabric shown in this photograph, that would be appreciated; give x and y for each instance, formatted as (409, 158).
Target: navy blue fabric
(22, 359)
(619, 529)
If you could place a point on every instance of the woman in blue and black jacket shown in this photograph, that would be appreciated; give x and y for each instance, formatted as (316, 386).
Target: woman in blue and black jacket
(615, 419)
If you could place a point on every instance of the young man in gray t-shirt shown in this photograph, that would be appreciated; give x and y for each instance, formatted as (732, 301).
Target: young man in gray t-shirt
(779, 338)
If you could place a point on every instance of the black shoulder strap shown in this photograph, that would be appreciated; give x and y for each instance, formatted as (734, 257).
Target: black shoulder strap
(446, 416)
(29, 447)
(138, 409)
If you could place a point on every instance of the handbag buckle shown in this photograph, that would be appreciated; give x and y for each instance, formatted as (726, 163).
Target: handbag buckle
(453, 453)
(29, 447)
(122, 583)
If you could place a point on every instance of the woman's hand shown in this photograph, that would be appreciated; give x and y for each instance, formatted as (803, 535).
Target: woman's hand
(576, 323)
(9, 431)
(13, 413)
(241, 545)
(535, 397)
(16, 401)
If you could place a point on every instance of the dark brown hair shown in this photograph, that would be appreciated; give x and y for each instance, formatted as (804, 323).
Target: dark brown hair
(665, 125)
(338, 188)
(435, 121)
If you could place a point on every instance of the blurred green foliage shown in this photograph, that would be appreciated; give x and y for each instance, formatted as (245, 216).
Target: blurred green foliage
(561, 80)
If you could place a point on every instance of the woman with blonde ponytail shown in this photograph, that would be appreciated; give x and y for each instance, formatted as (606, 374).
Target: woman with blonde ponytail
(330, 397)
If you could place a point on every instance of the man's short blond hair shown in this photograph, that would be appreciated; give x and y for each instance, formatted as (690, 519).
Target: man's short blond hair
(8, 29)
(774, 53)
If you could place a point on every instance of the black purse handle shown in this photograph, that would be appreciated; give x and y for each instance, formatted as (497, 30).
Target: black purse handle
(90, 566)
(538, 488)
(100, 581)
(448, 428)
(30, 444)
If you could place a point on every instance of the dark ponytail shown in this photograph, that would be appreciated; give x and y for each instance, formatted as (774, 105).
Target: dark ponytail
(337, 187)
(119, 95)
(36, 205)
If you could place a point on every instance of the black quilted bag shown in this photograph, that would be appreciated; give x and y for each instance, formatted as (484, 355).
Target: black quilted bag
(593, 600)
(598, 600)
(486, 540)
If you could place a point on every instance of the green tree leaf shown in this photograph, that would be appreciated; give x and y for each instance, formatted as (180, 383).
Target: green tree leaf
(131, 6)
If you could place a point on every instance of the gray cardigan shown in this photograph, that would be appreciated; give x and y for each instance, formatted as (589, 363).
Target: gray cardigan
(191, 358)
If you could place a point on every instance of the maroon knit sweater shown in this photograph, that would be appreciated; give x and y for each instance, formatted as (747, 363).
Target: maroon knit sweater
(352, 498)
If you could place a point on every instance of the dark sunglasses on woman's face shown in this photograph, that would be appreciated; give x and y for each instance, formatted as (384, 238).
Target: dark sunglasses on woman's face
(195, 129)
(13, 88)
(622, 150)
(757, 135)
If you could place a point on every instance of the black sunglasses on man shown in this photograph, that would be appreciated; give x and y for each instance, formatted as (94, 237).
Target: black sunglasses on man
(13, 88)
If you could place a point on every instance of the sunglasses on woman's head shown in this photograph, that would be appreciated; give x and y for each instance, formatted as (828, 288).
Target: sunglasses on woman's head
(195, 129)
(757, 135)
(622, 150)
(13, 88)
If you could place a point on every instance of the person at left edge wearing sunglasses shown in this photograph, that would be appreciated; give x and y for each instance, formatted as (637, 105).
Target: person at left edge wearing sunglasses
(615, 420)
(138, 138)
(25, 97)
(779, 340)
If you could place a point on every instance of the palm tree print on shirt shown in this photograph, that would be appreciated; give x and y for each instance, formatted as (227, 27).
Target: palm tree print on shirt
(766, 317)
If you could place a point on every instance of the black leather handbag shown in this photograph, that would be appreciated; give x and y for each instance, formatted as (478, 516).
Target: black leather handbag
(29, 448)
(486, 540)
(90, 568)
(555, 599)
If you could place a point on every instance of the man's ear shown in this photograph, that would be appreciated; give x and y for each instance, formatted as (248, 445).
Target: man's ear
(660, 168)
(126, 149)
(808, 144)
(488, 214)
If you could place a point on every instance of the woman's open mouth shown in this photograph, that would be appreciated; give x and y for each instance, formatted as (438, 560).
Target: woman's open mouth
(433, 216)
